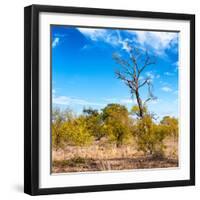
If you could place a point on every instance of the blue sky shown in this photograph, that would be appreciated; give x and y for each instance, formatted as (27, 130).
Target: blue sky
(83, 70)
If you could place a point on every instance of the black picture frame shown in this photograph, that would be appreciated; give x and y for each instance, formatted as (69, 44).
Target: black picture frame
(31, 99)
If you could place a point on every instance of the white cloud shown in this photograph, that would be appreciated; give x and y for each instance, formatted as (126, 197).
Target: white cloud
(86, 46)
(64, 100)
(93, 34)
(55, 42)
(168, 74)
(154, 42)
(150, 75)
(176, 65)
(141, 78)
(126, 101)
(157, 76)
(111, 37)
(166, 89)
(159, 41)
(154, 101)
(124, 43)
(59, 35)
(110, 99)
(104, 35)
(120, 101)
(176, 92)
(175, 101)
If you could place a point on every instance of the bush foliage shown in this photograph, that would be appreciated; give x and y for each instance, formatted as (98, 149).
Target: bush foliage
(116, 125)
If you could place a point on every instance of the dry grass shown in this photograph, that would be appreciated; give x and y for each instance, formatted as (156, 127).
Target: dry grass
(100, 157)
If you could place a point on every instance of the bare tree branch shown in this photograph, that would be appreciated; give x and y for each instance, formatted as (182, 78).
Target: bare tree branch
(151, 96)
(148, 61)
(125, 64)
(144, 82)
(128, 82)
(130, 75)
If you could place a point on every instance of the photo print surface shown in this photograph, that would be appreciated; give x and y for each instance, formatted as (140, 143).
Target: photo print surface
(114, 99)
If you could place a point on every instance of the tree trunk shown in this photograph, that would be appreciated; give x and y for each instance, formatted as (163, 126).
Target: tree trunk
(139, 102)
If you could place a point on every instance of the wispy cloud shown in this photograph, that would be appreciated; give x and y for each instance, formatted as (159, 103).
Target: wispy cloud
(158, 41)
(86, 46)
(93, 34)
(158, 76)
(154, 101)
(126, 101)
(55, 42)
(60, 35)
(168, 74)
(110, 99)
(166, 89)
(176, 65)
(124, 42)
(103, 35)
(150, 74)
(111, 37)
(64, 100)
(176, 92)
(120, 101)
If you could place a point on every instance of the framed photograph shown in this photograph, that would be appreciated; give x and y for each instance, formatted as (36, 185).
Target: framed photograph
(109, 100)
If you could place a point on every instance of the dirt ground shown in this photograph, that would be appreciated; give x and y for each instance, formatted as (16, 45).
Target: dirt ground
(98, 157)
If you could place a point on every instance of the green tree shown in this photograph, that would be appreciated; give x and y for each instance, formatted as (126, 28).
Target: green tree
(77, 133)
(171, 125)
(150, 136)
(58, 126)
(94, 123)
(136, 111)
(117, 124)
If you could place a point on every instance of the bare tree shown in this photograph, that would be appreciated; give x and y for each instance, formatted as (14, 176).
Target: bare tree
(130, 74)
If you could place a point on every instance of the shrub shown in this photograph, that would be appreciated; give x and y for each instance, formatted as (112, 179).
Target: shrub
(68, 129)
(94, 123)
(117, 124)
(171, 125)
(77, 133)
(58, 128)
(150, 136)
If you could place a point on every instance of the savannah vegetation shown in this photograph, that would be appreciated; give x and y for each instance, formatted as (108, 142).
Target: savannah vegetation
(115, 137)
